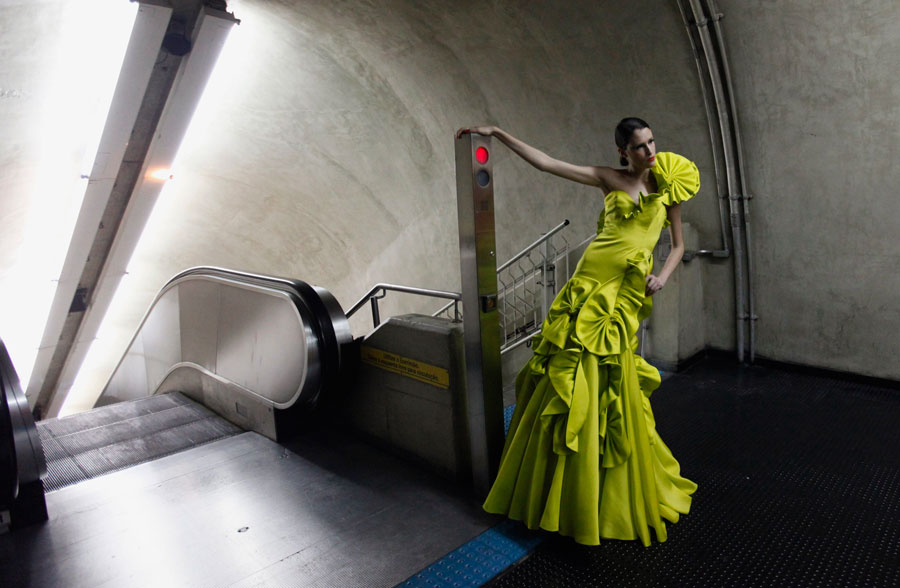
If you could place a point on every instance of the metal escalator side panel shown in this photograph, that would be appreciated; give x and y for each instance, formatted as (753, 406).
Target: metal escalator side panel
(257, 339)
(265, 343)
(275, 339)
(27, 450)
(333, 330)
(9, 476)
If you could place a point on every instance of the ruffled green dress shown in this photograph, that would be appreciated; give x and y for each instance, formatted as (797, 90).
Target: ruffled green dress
(582, 456)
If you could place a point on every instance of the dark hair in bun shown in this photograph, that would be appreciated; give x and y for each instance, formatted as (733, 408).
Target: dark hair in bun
(624, 130)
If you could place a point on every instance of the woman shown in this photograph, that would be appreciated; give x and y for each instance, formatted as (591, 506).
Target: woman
(582, 456)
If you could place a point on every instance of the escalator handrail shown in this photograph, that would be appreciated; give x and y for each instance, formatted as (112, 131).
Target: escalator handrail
(8, 470)
(249, 277)
(333, 331)
(24, 453)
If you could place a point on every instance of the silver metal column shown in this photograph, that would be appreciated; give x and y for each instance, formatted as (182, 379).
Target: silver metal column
(478, 269)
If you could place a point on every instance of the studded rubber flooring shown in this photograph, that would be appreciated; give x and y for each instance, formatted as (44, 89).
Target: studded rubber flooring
(799, 485)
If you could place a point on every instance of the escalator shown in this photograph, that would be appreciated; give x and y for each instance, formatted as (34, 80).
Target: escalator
(260, 351)
(218, 353)
(22, 462)
(114, 437)
(213, 458)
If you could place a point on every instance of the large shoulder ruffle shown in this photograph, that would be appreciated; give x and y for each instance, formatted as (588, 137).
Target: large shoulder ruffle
(677, 178)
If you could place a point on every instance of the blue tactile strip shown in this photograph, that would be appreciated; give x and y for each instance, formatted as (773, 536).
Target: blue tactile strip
(507, 417)
(482, 558)
(479, 560)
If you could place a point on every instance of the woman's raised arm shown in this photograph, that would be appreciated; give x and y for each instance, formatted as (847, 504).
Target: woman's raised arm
(584, 174)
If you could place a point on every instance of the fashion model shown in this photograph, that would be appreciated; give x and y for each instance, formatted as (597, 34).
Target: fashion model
(582, 456)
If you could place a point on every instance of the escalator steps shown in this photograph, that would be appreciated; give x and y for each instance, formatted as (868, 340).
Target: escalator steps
(117, 436)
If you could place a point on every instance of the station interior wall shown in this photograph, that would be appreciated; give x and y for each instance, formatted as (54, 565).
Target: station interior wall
(323, 150)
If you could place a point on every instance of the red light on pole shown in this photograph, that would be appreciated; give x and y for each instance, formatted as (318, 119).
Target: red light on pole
(481, 155)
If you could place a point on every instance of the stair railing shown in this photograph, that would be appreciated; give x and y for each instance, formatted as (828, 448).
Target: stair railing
(379, 291)
(527, 284)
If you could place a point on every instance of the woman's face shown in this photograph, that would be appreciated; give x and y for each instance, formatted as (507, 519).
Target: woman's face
(641, 149)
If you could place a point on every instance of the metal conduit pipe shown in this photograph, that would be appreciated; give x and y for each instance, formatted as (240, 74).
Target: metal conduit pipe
(752, 316)
(720, 39)
(721, 192)
(722, 109)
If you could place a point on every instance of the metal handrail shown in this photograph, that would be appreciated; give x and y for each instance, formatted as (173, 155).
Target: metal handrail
(24, 460)
(379, 291)
(525, 251)
(519, 255)
(314, 307)
(439, 311)
(519, 343)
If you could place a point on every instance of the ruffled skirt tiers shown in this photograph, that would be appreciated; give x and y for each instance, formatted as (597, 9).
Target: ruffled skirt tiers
(582, 456)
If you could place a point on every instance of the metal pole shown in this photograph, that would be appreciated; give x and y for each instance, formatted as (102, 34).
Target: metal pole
(734, 197)
(481, 328)
(748, 251)
(376, 318)
(711, 117)
(548, 284)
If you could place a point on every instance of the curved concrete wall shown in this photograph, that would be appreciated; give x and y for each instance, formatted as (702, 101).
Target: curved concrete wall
(819, 101)
(323, 150)
(330, 154)
(324, 145)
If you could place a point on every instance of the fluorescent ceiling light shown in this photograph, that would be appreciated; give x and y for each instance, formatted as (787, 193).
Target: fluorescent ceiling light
(72, 90)
(210, 33)
(149, 28)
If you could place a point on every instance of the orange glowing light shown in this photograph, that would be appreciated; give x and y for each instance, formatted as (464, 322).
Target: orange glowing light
(162, 174)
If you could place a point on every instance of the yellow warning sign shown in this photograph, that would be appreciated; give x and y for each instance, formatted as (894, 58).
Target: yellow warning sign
(430, 374)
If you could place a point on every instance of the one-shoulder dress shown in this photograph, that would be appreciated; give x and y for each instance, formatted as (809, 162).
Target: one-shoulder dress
(582, 456)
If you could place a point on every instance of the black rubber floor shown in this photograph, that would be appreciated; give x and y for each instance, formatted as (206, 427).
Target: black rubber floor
(799, 481)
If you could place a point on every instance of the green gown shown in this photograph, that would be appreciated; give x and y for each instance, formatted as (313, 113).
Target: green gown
(582, 456)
